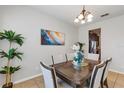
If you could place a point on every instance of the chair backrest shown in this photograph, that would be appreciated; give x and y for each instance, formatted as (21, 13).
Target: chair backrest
(97, 75)
(106, 69)
(49, 76)
(70, 56)
(58, 58)
(93, 56)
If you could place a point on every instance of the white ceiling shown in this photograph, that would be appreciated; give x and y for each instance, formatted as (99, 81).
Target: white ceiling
(68, 13)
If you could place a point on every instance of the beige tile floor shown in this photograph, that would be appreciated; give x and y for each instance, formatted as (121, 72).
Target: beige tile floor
(115, 80)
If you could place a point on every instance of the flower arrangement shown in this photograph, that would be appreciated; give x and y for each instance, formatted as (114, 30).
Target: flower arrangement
(78, 55)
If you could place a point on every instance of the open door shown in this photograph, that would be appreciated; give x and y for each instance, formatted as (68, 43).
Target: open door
(95, 41)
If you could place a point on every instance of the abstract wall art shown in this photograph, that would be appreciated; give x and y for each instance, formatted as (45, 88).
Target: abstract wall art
(52, 38)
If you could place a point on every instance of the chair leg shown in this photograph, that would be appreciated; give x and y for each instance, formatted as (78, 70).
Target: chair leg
(102, 85)
(106, 83)
(88, 81)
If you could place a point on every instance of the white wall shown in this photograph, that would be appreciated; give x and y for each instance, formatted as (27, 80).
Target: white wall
(28, 22)
(0, 19)
(112, 40)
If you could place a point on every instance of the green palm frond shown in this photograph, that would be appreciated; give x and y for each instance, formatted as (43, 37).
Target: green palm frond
(1, 34)
(18, 39)
(11, 69)
(12, 37)
(14, 69)
(14, 53)
(11, 54)
(3, 54)
(4, 70)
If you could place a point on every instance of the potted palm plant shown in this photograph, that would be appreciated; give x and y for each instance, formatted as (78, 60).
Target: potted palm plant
(10, 54)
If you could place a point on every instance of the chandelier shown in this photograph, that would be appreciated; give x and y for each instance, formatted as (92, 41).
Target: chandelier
(85, 16)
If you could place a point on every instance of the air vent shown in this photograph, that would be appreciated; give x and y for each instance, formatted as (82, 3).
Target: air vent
(106, 14)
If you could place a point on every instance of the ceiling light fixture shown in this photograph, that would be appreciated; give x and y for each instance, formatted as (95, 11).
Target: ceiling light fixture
(85, 16)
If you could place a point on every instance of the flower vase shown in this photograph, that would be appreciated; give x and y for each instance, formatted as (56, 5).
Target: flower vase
(77, 66)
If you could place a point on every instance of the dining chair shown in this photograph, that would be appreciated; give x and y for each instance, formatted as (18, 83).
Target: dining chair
(59, 58)
(93, 56)
(49, 76)
(70, 56)
(105, 73)
(96, 76)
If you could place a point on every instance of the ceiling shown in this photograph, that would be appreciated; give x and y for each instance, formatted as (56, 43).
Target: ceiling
(68, 13)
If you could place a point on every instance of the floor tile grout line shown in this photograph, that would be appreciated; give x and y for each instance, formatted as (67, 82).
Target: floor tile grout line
(36, 83)
(116, 80)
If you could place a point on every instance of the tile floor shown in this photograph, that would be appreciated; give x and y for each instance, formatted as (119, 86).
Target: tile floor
(115, 80)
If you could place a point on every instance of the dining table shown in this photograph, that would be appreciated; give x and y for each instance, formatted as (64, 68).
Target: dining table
(73, 77)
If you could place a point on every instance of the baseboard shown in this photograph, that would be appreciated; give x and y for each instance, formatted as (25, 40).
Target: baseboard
(28, 78)
(116, 71)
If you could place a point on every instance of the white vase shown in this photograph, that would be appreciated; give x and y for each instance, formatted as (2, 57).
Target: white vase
(76, 65)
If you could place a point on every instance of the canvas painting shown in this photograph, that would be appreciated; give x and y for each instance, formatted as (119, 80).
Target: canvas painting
(52, 38)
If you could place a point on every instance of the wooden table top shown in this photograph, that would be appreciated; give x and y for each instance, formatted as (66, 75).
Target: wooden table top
(75, 78)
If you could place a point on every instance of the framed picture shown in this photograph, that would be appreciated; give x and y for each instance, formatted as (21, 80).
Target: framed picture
(52, 38)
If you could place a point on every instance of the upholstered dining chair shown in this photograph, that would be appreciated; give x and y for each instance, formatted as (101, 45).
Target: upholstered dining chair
(93, 56)
(59, 58)
(105, 73)
(96, 76)
(49, 76)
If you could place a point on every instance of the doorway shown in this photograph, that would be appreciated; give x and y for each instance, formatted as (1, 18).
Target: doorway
(95, 41)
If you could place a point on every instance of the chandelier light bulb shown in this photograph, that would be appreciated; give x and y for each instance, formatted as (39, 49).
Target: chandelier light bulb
(89, 20)
(80, 16)
(89, 16)
(76, 20)
(82, 21)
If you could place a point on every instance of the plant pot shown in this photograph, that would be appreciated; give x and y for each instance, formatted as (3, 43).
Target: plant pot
(10, 85)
